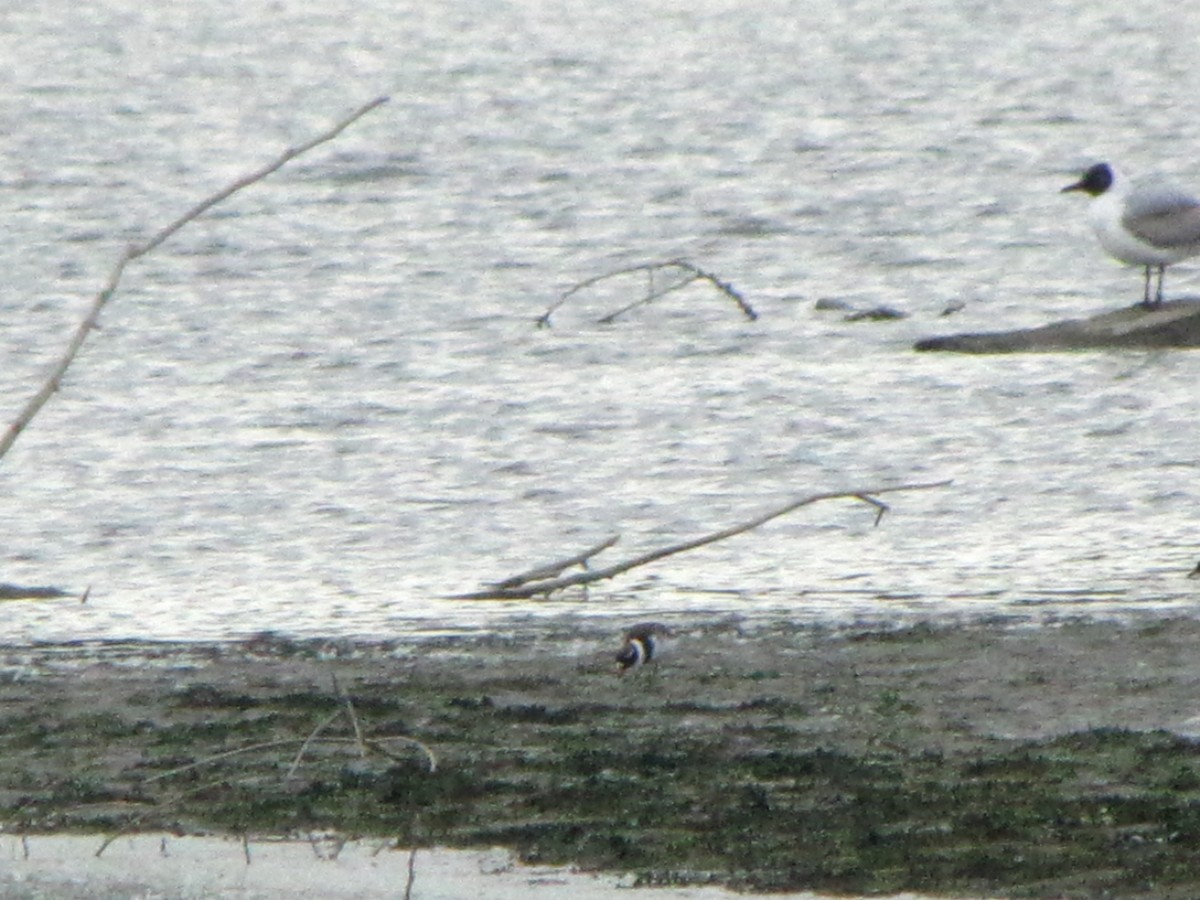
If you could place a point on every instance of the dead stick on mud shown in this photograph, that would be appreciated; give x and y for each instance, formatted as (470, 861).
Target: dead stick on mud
(141, 817)
(312, 736)
(350, 714)
(683, 273)
(526, 590)
(136, 251)
(375, 744)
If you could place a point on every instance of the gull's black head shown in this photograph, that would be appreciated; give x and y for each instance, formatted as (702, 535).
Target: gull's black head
(1095, 181)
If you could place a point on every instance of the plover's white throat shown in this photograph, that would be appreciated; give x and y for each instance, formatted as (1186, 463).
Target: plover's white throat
(640, 646)
(1147, 223)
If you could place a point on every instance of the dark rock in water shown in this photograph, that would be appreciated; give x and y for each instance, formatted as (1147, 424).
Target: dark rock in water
(1175, 324)
(826, 304)
(876, 314)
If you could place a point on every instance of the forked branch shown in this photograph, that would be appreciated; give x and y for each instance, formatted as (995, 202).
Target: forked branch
(553, 569)
(679, 272)
(524, 586)
(136, 251)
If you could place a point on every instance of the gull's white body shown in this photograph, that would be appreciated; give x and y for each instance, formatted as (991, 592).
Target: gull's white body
(1124, 219)
(1147, 223)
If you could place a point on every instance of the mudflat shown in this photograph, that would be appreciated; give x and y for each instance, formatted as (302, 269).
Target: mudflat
(998, 759)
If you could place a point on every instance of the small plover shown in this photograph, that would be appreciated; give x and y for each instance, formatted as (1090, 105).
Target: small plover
(640, 646)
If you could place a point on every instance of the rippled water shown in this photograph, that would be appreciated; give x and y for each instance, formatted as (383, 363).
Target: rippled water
(324, 407)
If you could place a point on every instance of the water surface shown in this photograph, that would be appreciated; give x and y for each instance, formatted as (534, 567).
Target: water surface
(324, 407)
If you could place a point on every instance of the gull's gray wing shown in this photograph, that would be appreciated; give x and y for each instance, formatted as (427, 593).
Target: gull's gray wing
(1162, 215)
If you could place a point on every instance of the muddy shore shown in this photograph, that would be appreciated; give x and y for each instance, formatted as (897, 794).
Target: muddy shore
(983, 759)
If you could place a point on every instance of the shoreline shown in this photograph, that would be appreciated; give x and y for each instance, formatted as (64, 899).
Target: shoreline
(65, 867)
(984, 759)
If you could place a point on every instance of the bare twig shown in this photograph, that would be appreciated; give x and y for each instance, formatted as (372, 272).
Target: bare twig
(43, 395)
(879, 504)
(682, 272)
(550, 570)
(336, 844)
(312, 736)
(412, 873)
(526, 590)
(350, 714)
(134, 821)
(374, 744)
(237, 751)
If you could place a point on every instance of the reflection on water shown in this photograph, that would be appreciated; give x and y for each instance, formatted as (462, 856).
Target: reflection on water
(325, 407)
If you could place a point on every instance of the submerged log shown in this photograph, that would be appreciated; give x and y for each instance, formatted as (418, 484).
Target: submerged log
(1174, 324)
(19, 592)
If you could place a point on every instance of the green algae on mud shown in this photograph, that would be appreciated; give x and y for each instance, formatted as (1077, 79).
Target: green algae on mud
(963, 760)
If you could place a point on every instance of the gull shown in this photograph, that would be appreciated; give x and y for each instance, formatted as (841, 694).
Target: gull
(1148, 223)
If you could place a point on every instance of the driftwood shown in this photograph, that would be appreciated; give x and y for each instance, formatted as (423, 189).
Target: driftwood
(89, 323)
(1171, 325)
(545, 580)
(554, 569)
(681, 272)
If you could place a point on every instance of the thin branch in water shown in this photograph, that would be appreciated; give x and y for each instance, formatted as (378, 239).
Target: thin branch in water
(337, 843)
(682, 274)
(552, 569)
(524, 591)
(412, 873)
(878, 504)
(89, 323)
